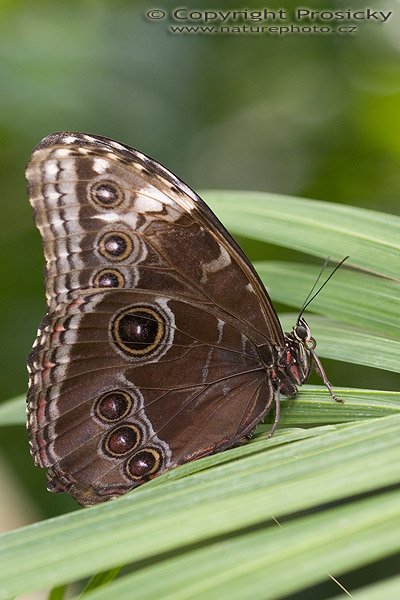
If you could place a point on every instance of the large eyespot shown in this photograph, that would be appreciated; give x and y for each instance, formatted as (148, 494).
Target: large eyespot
(113, 406)
(109, 278)
(138, 331)
(122, 440)
(106, 194)
(143, 463)
(115, 245)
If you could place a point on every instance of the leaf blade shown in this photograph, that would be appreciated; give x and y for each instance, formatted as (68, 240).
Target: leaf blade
(213, 502)
(370, 238)
(378, 306)
(257, 564)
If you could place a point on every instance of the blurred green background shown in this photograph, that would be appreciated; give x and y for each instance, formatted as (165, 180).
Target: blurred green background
(314, 115)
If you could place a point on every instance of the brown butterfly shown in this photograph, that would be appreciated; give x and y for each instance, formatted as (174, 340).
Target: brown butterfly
(160, 344)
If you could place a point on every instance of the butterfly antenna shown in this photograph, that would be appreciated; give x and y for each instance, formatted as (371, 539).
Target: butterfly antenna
(314, 286)
(309, 299)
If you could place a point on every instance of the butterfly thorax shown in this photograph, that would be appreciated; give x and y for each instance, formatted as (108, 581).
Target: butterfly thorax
(295, 359)
(295, 365)
(289, 365)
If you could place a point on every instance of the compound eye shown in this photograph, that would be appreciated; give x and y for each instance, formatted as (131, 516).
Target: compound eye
(301, 332)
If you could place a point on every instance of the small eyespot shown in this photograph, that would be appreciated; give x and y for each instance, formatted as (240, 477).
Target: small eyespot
(122, 440)
(106, 194)
(109, 278)
(115, 245)
(143, 464)
(138, 330)
(113, 406)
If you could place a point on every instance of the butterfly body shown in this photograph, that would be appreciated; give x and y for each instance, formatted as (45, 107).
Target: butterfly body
(160, 344)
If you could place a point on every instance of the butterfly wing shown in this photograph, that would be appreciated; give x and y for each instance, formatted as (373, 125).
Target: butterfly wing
(147, 357)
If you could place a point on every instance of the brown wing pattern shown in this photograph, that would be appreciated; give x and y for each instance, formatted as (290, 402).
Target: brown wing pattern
(147, 357)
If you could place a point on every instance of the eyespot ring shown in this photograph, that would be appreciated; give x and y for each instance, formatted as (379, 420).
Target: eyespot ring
(138, 330)
(115, 245)
(121, 440)
(143, 464)
(109, 278)
(105, 193)
(113, 406)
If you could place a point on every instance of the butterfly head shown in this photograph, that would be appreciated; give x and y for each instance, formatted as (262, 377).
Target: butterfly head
(302, 334)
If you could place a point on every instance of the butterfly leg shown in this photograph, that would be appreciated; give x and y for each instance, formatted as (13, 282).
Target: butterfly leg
(277, 400)
(320, 370)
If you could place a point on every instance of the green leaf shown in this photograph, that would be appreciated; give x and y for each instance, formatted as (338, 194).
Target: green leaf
(388, 589)
(58, 593)
(275, 480)
(378, 306)
(259, 562)
(12, 412)
(313, 405)
(100, 579)
(370, 238)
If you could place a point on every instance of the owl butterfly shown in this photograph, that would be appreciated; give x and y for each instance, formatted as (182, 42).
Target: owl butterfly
(160, 344)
